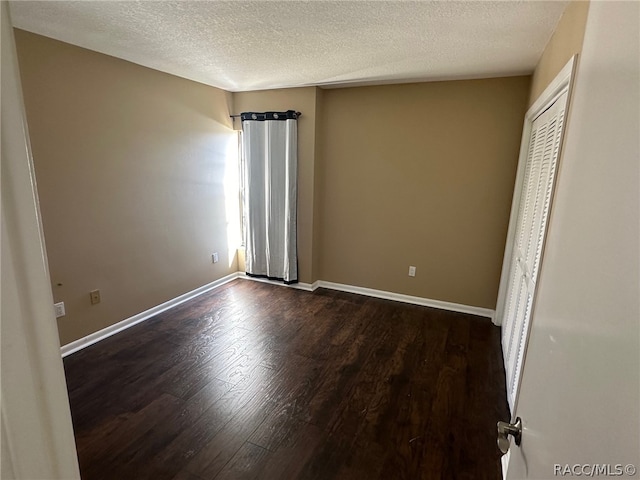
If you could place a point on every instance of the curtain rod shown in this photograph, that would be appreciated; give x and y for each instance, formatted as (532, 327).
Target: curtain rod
(298, 114)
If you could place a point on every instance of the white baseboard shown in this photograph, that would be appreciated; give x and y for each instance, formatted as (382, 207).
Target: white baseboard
(400, 297)
(370, 292)
(307, 287)
(95, 337)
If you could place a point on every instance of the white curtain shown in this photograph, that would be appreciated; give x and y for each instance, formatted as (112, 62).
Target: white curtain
(270, 149)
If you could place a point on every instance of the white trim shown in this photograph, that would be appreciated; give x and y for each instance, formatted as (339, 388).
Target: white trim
(307, 287)
(400, 297)
(36, 429)
(370, 292)
(95, 337)
(550, 94)
(557, 87)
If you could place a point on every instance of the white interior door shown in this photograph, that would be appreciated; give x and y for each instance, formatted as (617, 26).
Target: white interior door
(535, 200)
(579, 399)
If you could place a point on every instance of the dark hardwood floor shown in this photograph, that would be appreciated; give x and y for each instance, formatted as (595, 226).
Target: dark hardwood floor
(256, 381)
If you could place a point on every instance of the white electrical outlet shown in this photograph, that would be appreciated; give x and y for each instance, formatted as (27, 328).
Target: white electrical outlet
(59, 308)
(215, 258)
(412, 271)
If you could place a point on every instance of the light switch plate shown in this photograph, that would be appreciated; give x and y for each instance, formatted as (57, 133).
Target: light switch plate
(95, 296)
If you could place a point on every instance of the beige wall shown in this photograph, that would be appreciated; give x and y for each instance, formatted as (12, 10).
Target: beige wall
(565, 42)
(130, 164)
(423, 175)
(318, 179)
(302, 100)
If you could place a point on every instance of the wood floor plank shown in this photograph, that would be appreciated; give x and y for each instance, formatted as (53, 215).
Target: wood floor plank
(191, 432)
(245, 464)
(187, 372)
(336, 383)
(102, 457)
(256, 381)
(294, 452)
(213, 457)
(184, 475)
(441, 446)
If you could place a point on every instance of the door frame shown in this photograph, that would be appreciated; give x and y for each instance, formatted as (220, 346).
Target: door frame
(35, 425)
(563, 82)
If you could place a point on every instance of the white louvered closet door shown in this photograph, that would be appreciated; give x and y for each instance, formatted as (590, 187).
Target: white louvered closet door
(540, 169)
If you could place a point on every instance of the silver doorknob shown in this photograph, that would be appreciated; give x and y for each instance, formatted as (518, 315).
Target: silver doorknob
(504, 430)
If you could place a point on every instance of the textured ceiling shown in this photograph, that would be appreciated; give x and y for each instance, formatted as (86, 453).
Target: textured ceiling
(252, 45)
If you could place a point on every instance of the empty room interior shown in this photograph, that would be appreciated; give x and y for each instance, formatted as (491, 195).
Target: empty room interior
(320, 240)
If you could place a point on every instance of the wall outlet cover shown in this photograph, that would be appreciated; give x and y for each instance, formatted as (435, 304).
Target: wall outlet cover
(59, 309)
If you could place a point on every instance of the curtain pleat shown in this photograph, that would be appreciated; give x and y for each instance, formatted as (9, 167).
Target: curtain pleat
(271, 162)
